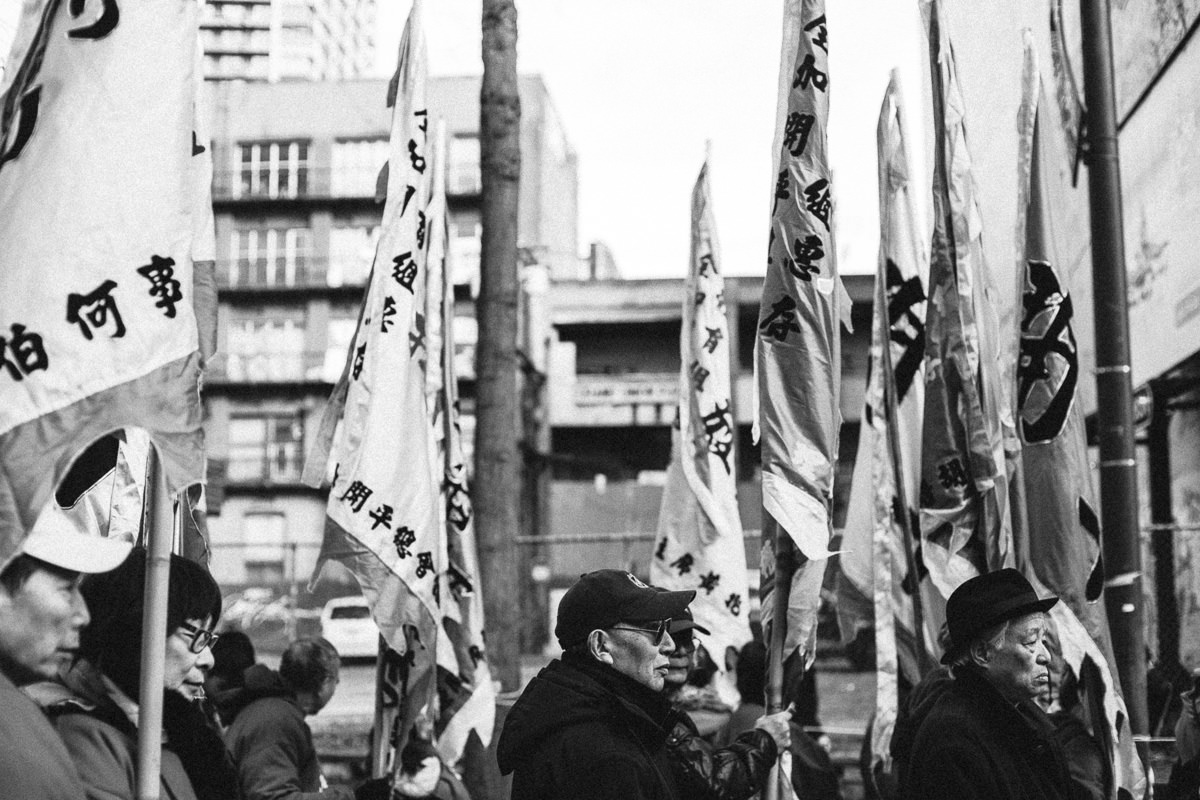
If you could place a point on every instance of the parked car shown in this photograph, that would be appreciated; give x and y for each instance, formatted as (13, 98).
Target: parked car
(346, 623)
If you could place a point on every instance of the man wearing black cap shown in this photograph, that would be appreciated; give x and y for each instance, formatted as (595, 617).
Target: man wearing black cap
(985, 737)
(594, 724)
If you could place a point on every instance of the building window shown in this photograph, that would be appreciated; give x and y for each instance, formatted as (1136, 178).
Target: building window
(464, 166)
(356, 165)
(265, 541)
(466, 247)
(272, 169)
(266, 448)
(342, 325)
(351, 251)
(269, 257)
(266, 345)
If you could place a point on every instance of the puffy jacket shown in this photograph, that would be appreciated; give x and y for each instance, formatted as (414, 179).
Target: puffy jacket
(582, 731)
(705, 772)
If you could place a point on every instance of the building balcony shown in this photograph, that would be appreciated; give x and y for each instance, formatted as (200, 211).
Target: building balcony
(319, 183)
(622, 399)
(275, 367)
(300, 275)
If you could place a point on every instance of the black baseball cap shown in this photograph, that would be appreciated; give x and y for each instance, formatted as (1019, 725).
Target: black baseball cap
(686, 622)
(987, 600)
(601, 599)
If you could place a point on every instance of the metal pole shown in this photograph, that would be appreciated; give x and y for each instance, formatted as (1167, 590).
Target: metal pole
(1118, 469)
(785, 568)
(159, 534)
(1162, 540)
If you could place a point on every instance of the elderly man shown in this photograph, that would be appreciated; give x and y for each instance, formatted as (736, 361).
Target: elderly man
(41, 615)
(985, 736)
(595, 723)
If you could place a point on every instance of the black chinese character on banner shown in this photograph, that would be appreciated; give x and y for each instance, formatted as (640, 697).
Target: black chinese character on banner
(952, 474)
(807, 252)
(424, 563)
(360, 356)
(28, 353)
(782, 189)
(807, 75)
(103, 25)
(821, 37)
(782, 319)
(661, 552)
(718, 430)
(458, 501)
(389, 311)
(796, 131)
(1049, 358)
(734, 604)
(356, 495)
(684, 563)
(404, 539)
(818, 201)
(708, 265)
(420, 230)
(417, 160)
(714, 339)
(93, 309)
(699, 299)
(460, 582)
(906, 327)
(416, 337)
(405, 271)
(699, 375)
(721, 301)
(381, 516)
(25, 123)
(709, 582)
(161, 274)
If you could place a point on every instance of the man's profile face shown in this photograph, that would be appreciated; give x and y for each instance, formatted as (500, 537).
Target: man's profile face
(1020, 666)
(680, 659)
(40, 624)
(636, 656)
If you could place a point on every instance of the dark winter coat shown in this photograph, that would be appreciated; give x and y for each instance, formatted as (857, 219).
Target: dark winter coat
(975, 745)
(582, 731)
(272, 745)
(705, 772)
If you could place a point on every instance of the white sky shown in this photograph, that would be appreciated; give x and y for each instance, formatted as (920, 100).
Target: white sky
(640, 85)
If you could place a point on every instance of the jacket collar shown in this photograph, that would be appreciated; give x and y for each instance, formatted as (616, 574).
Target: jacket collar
(647, 710)
(1020, 718)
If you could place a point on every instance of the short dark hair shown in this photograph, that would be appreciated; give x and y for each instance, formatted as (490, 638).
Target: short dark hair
(307, 663)
(233, 654)
(19, 570)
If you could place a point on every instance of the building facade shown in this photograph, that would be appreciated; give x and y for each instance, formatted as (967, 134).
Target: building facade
(295, 170)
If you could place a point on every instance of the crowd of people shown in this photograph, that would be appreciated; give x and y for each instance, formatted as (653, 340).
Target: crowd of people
(605, 720)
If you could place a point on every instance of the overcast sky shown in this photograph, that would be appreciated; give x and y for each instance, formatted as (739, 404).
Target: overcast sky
(641, 84)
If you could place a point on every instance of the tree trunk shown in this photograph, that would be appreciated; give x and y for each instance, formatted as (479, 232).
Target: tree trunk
(497, 411)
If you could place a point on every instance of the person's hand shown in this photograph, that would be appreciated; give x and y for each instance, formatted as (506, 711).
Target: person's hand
(374, 789)
(778, 726)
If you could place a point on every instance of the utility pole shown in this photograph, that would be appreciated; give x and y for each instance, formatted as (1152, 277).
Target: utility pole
(498, 463)
(1114, 388)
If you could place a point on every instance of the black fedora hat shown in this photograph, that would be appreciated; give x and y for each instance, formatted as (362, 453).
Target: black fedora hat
(987, 600)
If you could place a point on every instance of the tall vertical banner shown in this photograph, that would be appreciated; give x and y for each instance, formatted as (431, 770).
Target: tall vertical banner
(798, 360)
(465, 691)
(383, 516)
(883, 582)
(97, 221)
(1060, 549)
(966, 527)
(699, 542)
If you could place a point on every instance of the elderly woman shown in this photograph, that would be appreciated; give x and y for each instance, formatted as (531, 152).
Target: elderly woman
(97, 710)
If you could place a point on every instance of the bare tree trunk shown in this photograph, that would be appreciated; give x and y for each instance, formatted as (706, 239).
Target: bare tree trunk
(498, 423)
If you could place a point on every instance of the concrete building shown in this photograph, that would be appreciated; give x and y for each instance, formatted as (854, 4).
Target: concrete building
(296, 224)
(280, 40)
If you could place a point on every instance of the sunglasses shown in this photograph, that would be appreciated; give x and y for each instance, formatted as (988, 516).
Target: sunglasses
(201, 638)
(659, 631)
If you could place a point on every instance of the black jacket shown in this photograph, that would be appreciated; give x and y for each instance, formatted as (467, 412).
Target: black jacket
(975, 745)
(704, 772)
(582, 731)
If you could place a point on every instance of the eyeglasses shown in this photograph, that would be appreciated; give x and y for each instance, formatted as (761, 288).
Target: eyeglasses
(201, 638)
(659, 631)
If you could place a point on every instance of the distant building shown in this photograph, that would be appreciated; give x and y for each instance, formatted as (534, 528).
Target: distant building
(296, 224)
(280, 40)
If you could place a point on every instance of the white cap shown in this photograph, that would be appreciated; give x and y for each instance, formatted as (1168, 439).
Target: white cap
(56, 540)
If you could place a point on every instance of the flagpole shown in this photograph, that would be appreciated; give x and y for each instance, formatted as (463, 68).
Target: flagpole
(785, 564)
(1114, 391)
(159, 533)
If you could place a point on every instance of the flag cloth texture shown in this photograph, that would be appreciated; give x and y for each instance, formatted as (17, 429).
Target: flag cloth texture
(1058, 545)
(376, 445)
(699, 544)
(965, 522)
(97, 328)
(797, 349)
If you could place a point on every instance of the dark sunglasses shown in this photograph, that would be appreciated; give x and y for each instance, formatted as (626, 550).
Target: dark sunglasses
(659, 631)
(201, 638)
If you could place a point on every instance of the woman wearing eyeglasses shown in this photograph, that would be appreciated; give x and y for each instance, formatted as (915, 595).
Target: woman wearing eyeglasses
(97, 710)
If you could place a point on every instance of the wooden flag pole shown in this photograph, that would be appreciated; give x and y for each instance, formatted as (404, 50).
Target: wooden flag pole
(159, 533)
(785, 567)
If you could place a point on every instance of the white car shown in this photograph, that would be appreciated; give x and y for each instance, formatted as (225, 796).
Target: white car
(346, 623)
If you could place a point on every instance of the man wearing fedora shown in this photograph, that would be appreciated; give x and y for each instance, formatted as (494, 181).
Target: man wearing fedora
(594, 723)
(985, 737)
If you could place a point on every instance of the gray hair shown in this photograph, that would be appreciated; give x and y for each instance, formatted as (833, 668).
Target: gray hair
(990, 638)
